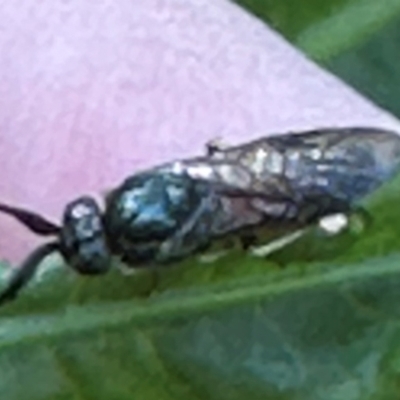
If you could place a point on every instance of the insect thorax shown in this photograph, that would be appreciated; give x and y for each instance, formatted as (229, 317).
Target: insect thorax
(148, 209)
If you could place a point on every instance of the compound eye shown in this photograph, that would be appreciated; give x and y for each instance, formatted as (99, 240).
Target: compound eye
(85, 219)
(82, 240)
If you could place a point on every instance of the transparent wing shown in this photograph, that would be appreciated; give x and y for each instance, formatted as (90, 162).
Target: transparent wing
(347, 164)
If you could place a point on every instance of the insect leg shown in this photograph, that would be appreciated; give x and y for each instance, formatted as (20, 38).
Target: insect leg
(275, 245)
(362, 218)
(355, 220)
(26, 271)
(311, 208)
(215, 147)
(334, 224)
(343, 222)
(248, 240)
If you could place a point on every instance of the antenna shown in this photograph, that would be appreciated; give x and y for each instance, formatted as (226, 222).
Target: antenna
(34, 222)
(26, 271)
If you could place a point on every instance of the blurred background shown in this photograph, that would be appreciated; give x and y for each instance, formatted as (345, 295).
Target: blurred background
(357, 40)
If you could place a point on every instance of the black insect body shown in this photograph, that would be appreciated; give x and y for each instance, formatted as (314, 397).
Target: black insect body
(178, 209)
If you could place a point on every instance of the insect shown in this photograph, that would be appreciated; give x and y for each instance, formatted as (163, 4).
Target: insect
(175, 210)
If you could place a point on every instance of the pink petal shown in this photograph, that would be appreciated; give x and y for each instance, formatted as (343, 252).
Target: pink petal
(93, 91)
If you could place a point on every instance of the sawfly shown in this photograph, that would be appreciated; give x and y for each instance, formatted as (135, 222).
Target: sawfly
(175, 210)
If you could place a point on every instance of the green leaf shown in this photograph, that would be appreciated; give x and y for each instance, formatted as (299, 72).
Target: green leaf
(286, 328)
(372, 68)
(325, 28)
